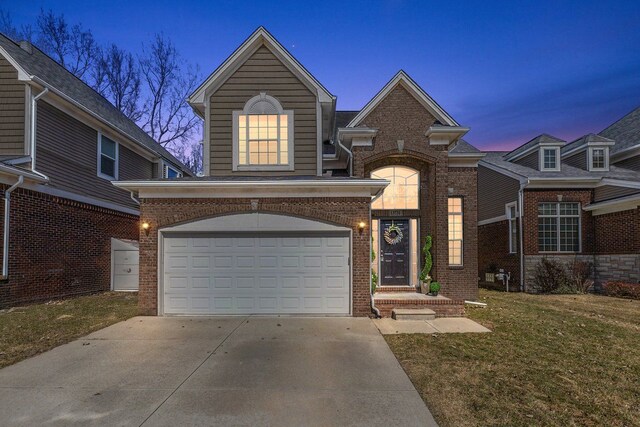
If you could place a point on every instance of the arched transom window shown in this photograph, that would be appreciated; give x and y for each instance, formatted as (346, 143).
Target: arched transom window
(263, 135)
(402, 193)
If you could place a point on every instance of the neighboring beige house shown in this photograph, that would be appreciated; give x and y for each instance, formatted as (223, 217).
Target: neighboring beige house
(61, 146)
(296, 195)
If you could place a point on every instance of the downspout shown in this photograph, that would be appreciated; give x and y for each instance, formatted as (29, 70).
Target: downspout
(137, 202)
(521, 232)
(350, 158)
(373, 302)
(5, 237)
(32, 152)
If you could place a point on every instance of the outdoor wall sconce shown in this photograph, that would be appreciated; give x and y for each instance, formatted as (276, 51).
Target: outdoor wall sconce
(145, 228)
(361, 226)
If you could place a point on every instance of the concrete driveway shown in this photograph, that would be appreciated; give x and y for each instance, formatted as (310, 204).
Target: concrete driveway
(216, 371)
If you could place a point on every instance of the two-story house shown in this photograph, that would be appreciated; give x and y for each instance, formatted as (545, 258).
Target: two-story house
(296, 195)
(61, 146)
(564, 201)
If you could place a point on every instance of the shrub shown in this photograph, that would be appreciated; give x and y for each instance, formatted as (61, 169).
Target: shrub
(550, 276)
(580, 275)
(622, 290)
(434, 287)
(428, 260)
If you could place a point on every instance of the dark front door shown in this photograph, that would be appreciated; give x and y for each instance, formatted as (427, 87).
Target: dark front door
(394, 252)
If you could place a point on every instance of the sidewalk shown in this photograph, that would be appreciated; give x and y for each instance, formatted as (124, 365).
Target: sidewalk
(443, 325)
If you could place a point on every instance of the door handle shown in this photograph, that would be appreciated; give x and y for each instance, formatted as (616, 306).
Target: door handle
(128, 270)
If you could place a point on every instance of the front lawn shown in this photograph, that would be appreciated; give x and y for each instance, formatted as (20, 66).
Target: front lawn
(551, 360)
(29, 330)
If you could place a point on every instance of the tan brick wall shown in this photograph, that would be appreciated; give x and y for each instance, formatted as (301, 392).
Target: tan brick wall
(346, 212)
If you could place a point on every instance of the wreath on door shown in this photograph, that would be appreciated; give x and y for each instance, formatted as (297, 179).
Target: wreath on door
(393, 234)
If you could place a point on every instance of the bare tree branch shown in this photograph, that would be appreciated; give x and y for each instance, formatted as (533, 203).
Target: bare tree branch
(117, 78)
(73, 48)
(167, 117)
(25, 32)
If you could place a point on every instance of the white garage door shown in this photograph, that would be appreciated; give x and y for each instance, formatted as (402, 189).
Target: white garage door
(256, 274)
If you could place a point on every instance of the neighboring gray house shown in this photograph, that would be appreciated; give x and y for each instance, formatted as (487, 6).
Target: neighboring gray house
(61, 145)
(577, 200)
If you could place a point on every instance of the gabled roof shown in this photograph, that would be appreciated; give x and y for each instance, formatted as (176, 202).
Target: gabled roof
(463, 147)
(625, 132)
(45, 71)
(259, 37)
(544, 138)
(566, 172)
(344, 117)
(401, 78)
(589, 138)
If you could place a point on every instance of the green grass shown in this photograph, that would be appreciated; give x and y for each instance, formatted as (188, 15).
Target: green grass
(562, 360)
(33, 329)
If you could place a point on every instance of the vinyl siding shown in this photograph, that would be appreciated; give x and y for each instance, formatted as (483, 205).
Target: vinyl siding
(12, 110)
(67, 152)
(495, 190)
(608, 192)
(578, 160)
(632, 163)
(530, 160)
(263, 72)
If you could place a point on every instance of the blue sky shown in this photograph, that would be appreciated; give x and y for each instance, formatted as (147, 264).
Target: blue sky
(508, 70)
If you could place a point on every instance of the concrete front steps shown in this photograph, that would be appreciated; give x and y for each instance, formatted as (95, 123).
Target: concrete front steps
(413, 314)
(387, 301)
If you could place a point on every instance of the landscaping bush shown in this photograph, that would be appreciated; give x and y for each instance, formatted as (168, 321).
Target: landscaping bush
(622, 290)
(550, 276)
(580, 276)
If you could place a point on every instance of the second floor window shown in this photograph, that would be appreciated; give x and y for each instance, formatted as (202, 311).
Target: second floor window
(107, 158)
(599, 158)
(263, 135)
(550, 159)
(559, 227)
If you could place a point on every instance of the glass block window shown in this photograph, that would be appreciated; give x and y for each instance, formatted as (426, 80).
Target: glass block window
(559, 227)
(455, 231)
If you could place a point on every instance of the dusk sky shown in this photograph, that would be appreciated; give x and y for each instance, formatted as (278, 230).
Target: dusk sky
(508, 70)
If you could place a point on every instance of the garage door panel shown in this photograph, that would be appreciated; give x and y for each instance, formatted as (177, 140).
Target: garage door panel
(206, 274)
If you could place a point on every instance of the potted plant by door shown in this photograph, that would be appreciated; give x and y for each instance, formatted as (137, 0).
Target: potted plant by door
(425, 278)
(434, 288)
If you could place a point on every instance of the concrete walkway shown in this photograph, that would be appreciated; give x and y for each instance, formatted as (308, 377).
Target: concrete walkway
(443, 325)
(216, 371)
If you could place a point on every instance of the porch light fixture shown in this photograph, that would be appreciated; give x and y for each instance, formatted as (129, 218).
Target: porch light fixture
(361, 226)
(145, 227)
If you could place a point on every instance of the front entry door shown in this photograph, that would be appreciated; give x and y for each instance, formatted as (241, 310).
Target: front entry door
(394, 252)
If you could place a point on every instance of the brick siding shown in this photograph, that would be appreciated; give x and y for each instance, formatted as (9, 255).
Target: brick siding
(346, 212)
(59, 247)
(401, 117)
(493, 253)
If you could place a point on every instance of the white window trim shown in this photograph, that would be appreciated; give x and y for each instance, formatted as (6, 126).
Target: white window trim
(557, 217)
(99, 162)
(166, 166)
(541, 159)
(513, 246)
(590, 159)
(236, 166)
(462, 239)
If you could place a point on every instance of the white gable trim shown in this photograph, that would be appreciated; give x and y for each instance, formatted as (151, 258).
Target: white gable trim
(247, 48)
(22, 74)
(407, 82)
